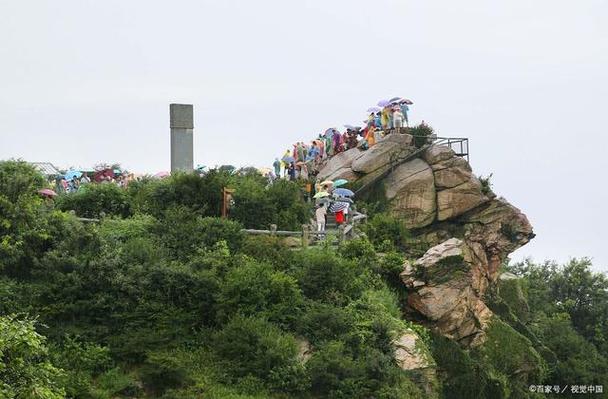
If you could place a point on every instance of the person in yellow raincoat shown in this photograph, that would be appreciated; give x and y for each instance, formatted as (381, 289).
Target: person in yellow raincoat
(370, 136)
(385, 118)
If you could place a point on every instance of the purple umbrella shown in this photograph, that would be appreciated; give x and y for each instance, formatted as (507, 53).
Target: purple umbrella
(373, 109)
(383, 103)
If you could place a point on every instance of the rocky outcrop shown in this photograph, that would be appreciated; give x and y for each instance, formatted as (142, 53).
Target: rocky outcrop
(445, 287)
(436, 186)
(469, 231)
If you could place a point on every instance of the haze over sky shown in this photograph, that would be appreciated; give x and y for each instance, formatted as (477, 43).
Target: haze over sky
(85, 81)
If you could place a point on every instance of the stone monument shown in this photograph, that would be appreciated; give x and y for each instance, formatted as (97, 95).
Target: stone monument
(182, 137)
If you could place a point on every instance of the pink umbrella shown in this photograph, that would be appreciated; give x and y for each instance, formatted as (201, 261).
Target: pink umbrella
(162, 174)
(48, 192)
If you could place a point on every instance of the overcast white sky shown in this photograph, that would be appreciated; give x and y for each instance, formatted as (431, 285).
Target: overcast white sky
(84, 81)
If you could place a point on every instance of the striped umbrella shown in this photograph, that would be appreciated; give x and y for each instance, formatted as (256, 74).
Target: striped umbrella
(338, 206)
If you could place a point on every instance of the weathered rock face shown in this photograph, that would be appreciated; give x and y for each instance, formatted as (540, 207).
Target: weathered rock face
(339, 164)
(411, 190)
(445, 286)
(383, 153)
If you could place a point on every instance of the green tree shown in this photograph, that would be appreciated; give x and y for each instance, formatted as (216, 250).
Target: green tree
(25, 368)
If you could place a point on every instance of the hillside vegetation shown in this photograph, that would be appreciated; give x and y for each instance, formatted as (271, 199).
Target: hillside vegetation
(164, 299)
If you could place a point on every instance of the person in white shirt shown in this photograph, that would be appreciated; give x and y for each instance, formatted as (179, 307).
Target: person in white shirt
(320, 216)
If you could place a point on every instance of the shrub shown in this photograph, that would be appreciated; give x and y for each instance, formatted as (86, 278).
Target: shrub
(383, 227)
(91, 200)
(324, 276)
(255, 289)
(183, 233)
(421, 134)
(161, 371)
(253, 346)
(25, 368)
(486, 184)
(323, 322)
(512, 355)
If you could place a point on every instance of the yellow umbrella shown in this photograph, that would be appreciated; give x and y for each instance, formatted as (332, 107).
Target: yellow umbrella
(321, 194)
(327, 182)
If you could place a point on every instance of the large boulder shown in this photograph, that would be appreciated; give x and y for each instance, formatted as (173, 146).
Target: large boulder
(445, 286)
(383, 153)
(457, 200)
(451, 173)
(410, 188)
(438, 153)
(339, 164)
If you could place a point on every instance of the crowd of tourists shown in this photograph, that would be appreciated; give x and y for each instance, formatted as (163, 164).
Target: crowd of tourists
(73, 180)
(304, 159)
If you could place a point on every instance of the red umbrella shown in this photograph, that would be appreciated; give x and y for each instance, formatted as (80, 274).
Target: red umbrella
(47, 192)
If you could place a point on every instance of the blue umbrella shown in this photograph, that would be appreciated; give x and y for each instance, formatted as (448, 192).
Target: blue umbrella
(72, 174)
(289, 159)
(343, 192)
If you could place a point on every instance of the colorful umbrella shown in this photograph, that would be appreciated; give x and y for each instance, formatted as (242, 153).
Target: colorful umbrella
(72, 174)
(408, 102)
(48, 192)
(343, 192)
(395, 99)
(338, 206)
(339, 182)
(321, 194)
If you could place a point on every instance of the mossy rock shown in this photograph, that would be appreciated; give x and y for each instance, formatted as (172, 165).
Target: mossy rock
(446, 269)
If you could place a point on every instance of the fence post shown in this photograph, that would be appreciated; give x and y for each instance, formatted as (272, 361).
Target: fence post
(305, 235)
(273, 230)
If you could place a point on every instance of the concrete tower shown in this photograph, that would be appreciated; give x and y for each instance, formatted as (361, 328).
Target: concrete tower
(182, 137)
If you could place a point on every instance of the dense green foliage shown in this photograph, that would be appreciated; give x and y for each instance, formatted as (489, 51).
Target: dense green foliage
(167, 300)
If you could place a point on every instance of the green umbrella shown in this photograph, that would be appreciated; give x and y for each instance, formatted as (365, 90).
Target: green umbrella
(340, 182)
(321, 194)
